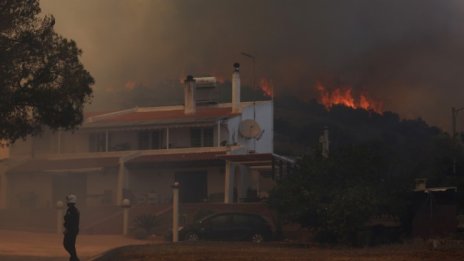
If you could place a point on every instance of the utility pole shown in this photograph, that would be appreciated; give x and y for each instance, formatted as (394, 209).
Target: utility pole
(252, 57)
(324, 140)
(455, 137)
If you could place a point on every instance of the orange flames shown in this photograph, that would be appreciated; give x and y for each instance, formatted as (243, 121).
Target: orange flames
(266, 87)
(344, 96)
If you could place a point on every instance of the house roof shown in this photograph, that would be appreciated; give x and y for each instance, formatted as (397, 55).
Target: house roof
(160, 116)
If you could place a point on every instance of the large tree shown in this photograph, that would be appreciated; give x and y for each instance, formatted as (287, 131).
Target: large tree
(42, 81)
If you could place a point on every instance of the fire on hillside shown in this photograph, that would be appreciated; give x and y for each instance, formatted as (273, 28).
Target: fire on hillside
(344, 96)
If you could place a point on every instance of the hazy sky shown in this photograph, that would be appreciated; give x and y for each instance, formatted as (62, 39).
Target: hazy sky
(408, 53)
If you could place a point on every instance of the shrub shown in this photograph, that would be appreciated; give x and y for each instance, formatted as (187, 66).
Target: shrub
(144, 226)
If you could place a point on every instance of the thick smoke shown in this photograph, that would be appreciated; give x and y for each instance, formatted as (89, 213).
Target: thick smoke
(408, 53)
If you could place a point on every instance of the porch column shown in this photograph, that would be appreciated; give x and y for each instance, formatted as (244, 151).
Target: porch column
(121, 182)
(256, 177)
(229, 183)
(167, 138)
(243, 182)
(123, 177)
(106, 140)
(219, 133)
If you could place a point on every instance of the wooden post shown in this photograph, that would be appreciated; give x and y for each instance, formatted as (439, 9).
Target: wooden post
(175, 212)
(59, 217)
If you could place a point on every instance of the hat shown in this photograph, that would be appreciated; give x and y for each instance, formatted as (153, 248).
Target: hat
(71, 198)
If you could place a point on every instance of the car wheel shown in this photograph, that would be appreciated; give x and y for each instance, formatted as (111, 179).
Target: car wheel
(192, 237)
(257, 238)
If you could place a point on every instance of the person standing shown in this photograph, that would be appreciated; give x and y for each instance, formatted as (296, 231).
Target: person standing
(71, 227)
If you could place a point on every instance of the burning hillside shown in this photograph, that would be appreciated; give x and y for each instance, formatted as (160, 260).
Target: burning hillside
(266, 87)
(344, 96)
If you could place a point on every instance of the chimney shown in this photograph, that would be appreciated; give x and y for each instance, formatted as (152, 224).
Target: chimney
(421, 184)
(236, 89)
(324, 140)
(189, 95)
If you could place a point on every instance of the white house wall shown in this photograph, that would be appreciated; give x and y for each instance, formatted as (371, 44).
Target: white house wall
(151, 184)
(99, 183)
(262, 113)
(73, 142)
(21, 149)
(157, 184)
(26, 185)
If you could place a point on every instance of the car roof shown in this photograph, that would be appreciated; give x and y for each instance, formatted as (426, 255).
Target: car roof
(231, 213)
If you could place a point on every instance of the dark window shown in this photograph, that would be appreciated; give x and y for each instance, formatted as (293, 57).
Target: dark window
(149, 139)
(208, 137)
(144, 137)
(220, 221)
(156, 139)
(202, 137)
(97, 142)
(242, 220)
(195, 137)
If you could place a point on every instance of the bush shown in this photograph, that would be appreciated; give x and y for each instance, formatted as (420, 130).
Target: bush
(144, 226)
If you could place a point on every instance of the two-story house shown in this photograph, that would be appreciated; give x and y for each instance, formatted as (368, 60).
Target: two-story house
(218, 152)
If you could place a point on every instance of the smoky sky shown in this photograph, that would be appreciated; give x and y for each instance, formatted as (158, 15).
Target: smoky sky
(407, 53)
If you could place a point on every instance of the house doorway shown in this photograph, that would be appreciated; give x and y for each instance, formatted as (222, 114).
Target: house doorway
(66, 184)
(193, 186)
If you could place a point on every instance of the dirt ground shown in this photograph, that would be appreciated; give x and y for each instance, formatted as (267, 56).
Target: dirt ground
(209, 251)
(28, 246)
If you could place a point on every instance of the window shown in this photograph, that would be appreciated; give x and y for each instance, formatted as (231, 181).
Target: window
(208, 137)
(97, 142)
(220, 221)
(150, 139)
(202, 137)
(195, 137)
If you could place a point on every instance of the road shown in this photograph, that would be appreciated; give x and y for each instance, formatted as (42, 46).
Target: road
(29, 246)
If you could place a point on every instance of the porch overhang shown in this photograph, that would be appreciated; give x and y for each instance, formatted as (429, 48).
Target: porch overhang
(256, 159)
(264, 162)
(65, 165)
(180, 160)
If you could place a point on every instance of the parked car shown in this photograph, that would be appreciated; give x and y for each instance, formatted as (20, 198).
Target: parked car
(228, 227)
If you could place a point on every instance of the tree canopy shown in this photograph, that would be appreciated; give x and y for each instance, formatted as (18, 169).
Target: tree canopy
(371, 171)
(42, 81)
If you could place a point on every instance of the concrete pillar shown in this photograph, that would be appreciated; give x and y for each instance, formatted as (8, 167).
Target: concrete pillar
(59, 217)
(243, 182)
(175, 212)
(256, 179)
(167, 138)
(107, 140)
(121, 182)
(218, 133)
(229, 183)
(125, 204)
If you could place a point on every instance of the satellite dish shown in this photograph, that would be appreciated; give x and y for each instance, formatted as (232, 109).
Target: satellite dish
(249, 129)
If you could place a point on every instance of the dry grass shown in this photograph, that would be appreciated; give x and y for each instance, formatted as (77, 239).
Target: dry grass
(209, 251)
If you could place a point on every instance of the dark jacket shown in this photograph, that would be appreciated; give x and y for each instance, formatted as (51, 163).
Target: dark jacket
(71, 220)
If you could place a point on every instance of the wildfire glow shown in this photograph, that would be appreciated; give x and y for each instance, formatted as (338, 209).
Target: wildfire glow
(344, 96)
(266, 87)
